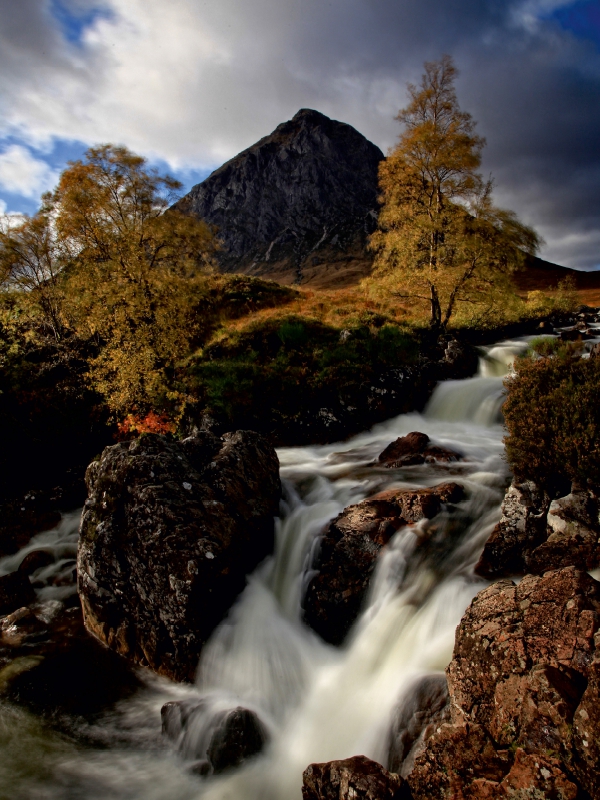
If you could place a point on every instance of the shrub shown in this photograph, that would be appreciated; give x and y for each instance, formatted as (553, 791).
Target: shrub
(553, 419)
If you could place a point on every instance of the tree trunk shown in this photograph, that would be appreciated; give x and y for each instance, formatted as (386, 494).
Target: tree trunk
(436, 310)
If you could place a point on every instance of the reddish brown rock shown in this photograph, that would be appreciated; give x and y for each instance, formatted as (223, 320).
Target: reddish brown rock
(356, 778)
(350, 547)
(415, 448)
(168, 534)
(520, 710)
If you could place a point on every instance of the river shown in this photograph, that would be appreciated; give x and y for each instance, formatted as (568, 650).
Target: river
(318, 702)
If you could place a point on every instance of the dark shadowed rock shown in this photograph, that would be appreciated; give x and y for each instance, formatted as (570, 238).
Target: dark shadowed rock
(168, 534)
(15, 591)
(216, 740)
(520, 712)
(356, 778)
(349, 550)
(415, 448)
(49, 662)
(304, 195)
(35, 560)
(420, 712)
(536, 534)
(239, 736)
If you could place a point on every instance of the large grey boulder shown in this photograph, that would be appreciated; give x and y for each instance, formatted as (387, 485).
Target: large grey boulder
(168, 534)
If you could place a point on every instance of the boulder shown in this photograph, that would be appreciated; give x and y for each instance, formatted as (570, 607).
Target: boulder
(415, 448)
(215, 740)
(356, 778)
(15, 591)
(536, 534)
(522, 685)
(50, 663)
(521, 528)
(169, 532)
(350, 547)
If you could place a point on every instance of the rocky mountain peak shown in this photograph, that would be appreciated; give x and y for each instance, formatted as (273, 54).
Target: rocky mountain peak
(300, 201)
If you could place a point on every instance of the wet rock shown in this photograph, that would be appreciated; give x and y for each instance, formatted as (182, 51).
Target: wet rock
(415, 448)
(15, 591)
(576, 335)
(217, 741)
(351, 779)
(595, 350)
(35, 560)
(536, 534)
(239, 736)
(522, 660)
(50, 663)
(349, 550)
(168, 534)
(420, 712)
(460, 361)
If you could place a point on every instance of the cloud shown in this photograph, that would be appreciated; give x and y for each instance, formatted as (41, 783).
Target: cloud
(192, 83)
(22, 173)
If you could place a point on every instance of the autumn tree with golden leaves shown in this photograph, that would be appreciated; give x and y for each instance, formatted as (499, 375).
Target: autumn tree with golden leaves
(121, 268)
(441, 241)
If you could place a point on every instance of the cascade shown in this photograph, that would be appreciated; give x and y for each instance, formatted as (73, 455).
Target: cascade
(317, 702)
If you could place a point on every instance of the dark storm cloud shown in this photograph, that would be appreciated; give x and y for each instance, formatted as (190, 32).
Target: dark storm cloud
(192, 82)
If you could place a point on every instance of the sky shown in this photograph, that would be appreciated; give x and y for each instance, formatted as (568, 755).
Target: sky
(189, 83)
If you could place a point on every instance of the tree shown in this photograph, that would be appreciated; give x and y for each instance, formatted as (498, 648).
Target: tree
(112, 263)
(30, 264)
(440, 239)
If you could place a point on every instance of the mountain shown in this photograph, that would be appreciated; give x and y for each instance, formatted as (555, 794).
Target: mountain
(297, 206)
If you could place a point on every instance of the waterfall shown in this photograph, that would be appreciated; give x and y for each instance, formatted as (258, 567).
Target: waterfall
(316, 701)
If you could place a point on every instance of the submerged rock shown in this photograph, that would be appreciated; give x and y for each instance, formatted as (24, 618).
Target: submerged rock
(356, 778)
(168, 534)
(521, 718)
(349, 550)
(415, 448)
(536, 534)
(217, 741)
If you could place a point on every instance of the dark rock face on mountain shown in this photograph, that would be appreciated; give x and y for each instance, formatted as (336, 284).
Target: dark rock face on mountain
(350, 547)
(303, 196)
(168, 534)
(523, 685)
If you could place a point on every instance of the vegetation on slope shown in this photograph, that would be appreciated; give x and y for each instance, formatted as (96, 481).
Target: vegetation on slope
(553, 417)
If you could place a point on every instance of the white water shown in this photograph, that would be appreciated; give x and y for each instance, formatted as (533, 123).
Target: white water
(318, 702)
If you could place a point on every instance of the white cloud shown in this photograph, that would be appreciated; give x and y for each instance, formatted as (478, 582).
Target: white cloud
(22, 173)
(192, 82)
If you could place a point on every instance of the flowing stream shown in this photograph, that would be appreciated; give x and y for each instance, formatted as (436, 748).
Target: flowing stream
(318, 702)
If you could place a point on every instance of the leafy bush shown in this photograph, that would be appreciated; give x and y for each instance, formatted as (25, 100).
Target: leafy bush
(278, 368)
(553, 419)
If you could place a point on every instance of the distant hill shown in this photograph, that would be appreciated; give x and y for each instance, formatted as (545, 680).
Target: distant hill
(299, 205)
(296, 206)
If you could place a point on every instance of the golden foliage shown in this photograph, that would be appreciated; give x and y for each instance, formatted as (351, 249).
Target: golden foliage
(441, 242)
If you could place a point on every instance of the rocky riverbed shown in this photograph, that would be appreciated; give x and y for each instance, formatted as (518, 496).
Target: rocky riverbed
(334, 653)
